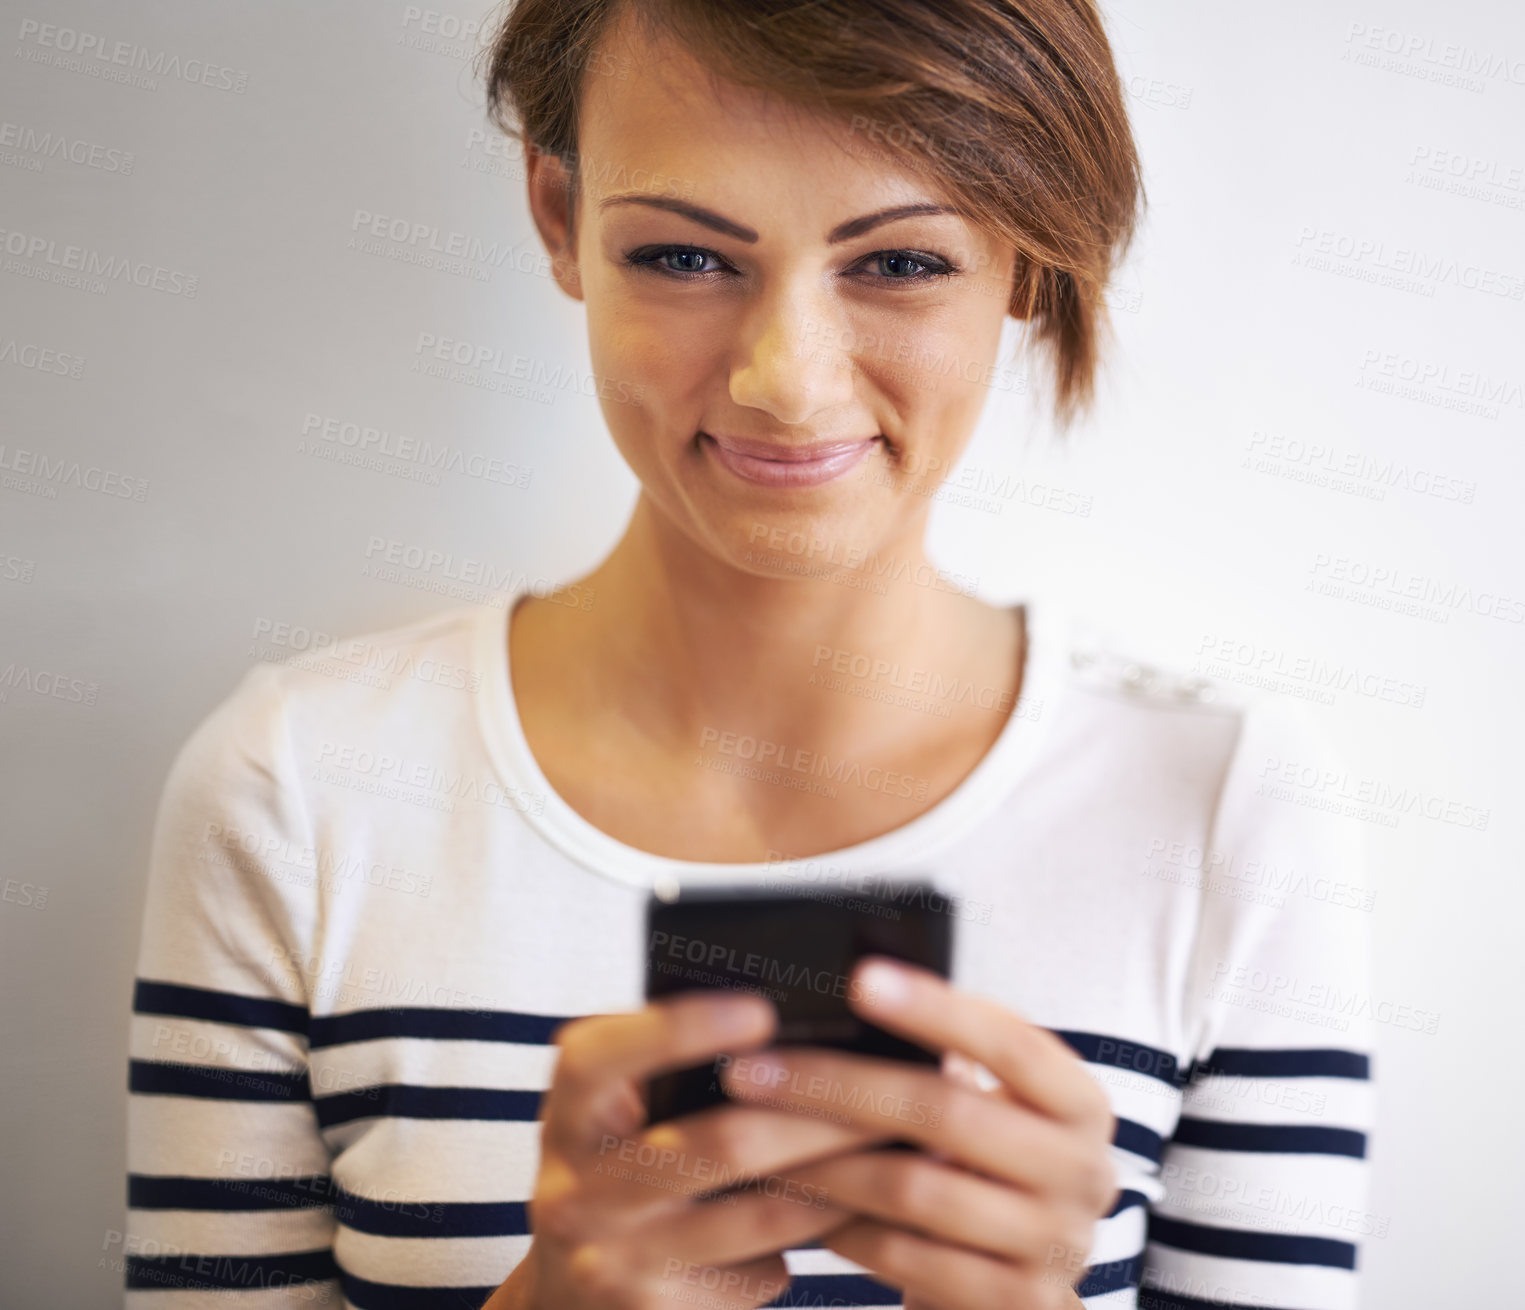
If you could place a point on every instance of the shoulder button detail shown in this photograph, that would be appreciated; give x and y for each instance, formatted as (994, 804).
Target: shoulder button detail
(1107, 669)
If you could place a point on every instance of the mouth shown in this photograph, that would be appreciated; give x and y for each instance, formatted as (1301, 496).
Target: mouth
(773, 464)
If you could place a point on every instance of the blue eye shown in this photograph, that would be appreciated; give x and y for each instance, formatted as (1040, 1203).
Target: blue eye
(688, 260)
(886, 257)
(683, 263)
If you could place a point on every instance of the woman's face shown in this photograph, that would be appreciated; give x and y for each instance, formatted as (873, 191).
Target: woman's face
(760, 285)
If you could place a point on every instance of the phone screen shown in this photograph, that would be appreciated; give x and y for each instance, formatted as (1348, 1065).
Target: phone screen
(796, 949)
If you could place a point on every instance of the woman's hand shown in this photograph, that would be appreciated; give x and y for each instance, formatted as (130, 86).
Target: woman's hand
(999, 1208)
(618, 1214)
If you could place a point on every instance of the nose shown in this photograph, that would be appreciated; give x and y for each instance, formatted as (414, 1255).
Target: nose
(792, 364)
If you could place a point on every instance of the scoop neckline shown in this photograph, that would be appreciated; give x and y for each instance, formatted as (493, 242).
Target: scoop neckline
(903, 849)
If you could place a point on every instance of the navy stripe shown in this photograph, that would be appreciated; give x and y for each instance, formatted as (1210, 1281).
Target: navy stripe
(209, 1082)
(230, 1272)
(1113, 1276)
(1126, 1200)
(169, 1192)
(836, 1290)
(1151, 1299)
(1239, 1062)
(402, 1101)
(1134, 1137)
(366, 1295)
(803, 1290)
(1282, 1139)
(1117, 1053)
(388, 1218)
(431, 1218)
(1240, 1244)
(436, 1024)
(217, 1007)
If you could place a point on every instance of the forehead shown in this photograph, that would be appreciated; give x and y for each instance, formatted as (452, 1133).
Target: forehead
(649, 104)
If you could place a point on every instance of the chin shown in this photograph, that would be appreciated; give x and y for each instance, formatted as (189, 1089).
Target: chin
(796, 543)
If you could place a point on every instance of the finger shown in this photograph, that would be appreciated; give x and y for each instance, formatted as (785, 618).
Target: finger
(734, 1287)
(1033, 1063)
(745, 1225)
(711, 1150)
(945, 1276)
(598, 1057)
(989, 1134)
(944, 1201)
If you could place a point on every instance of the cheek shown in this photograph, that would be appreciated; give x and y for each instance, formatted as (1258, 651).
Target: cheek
(938, 375)
(664, 355)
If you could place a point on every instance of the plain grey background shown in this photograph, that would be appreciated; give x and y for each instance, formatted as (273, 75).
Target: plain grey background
(1313, 417)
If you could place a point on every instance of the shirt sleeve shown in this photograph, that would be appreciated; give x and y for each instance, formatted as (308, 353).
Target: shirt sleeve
(227, 1183)
(1265, 1174)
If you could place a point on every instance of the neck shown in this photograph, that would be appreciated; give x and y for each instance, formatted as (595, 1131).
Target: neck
(687, 645)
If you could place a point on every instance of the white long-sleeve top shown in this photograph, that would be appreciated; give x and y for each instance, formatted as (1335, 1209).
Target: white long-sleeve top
(368, 911)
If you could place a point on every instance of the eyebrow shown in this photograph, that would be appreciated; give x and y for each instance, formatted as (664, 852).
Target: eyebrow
(709, 218)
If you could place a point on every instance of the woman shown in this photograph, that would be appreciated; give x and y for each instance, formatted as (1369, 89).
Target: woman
(797, 230)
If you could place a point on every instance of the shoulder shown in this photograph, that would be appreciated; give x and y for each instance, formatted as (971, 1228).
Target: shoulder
(1151, 716)
(305, 686)
(1099, 662)
(1155, 732)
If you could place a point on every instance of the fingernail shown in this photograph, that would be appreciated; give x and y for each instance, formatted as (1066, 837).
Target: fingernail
(885, 983)
(737, 1016)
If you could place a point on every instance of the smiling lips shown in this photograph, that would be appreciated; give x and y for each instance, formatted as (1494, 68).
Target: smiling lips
(773, 465)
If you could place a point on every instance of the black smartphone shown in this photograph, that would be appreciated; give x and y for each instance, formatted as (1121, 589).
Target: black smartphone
(797, 949)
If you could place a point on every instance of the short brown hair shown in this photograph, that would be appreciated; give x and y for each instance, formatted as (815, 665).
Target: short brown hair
(1014, 105)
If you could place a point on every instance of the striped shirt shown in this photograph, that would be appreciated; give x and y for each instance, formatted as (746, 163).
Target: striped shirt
(368, 912)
